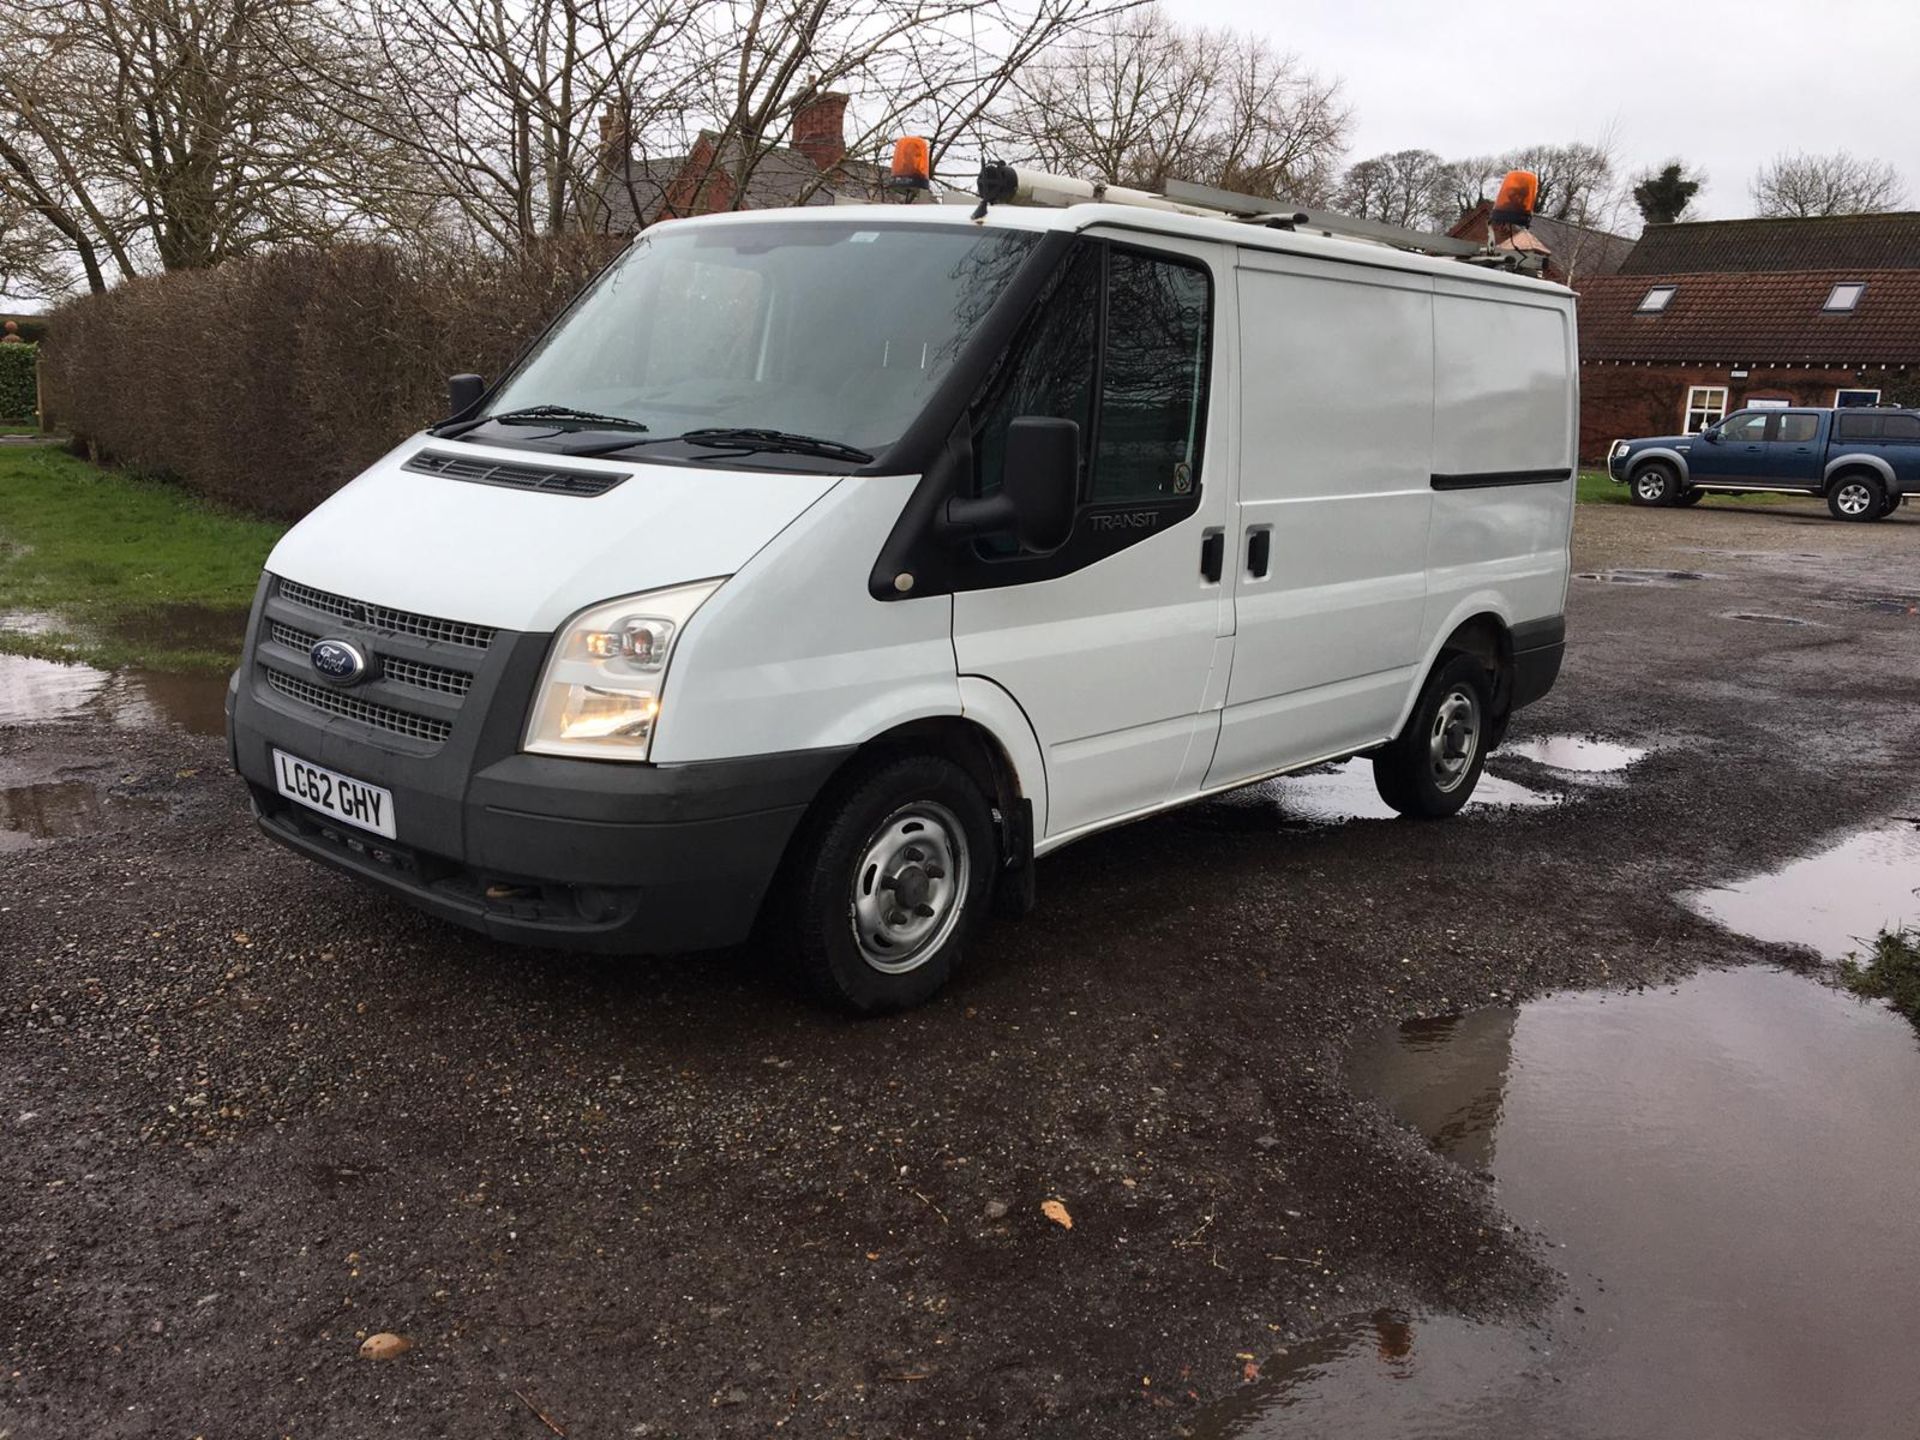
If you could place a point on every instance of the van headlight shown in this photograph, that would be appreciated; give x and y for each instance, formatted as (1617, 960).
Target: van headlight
(599, 696)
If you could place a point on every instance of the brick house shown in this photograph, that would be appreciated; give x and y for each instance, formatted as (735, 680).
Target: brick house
(1574, 251)
(1707, 317)
(812, 169)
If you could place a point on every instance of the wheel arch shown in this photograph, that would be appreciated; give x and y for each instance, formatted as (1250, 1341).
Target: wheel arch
(1842, 466)
(1481, 627)
(1639, 462)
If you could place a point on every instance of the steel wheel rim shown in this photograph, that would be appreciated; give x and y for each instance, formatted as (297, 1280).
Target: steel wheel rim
(1854, 498)
(1651, 487)
(910, 886)
(1455, 740)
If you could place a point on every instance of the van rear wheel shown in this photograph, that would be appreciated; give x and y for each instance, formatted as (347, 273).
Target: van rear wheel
(891, 880)
(1429, 769)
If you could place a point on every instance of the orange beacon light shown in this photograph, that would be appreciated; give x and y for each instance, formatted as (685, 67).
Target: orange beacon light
(912, 164)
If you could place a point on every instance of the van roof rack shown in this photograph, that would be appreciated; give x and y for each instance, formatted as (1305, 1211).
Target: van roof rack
(1002, 184)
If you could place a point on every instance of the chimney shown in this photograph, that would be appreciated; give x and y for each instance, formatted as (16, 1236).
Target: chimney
(819, 128)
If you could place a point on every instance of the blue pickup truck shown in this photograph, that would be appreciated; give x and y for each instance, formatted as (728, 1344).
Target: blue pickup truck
(1864, 461)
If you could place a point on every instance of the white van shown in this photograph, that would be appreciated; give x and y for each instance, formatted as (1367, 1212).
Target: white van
(824, 568)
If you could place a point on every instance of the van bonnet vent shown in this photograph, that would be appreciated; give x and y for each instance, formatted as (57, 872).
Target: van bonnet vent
(584, 483)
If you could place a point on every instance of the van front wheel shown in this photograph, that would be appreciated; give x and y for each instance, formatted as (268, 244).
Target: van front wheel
(894, 876)
(1429, 769)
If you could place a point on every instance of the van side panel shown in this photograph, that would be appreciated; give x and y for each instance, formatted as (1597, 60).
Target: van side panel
(1335, 449)
(1505, 422)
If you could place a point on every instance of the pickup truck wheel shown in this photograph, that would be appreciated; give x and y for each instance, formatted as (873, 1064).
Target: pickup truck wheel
(1894, 502)
(1857, 497)
(892, 878)
(1655, 483)
(1691, 497)
(1429, 769)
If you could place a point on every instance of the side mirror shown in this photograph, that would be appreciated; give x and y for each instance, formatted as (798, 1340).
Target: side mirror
(463, 393)
(1039, 488)
(1711, 435)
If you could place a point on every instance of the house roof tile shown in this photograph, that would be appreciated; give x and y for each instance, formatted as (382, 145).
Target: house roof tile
(1764, 318)
(1839, 242)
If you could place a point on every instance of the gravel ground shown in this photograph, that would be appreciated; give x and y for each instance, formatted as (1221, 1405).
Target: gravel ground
(253, 1114)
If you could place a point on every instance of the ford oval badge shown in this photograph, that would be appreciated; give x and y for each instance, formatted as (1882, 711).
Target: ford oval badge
(339, 661)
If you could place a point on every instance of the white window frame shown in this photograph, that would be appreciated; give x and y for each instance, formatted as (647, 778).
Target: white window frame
(1700, 402)
(1650, 306)
(1857, 287)
(1854, 390)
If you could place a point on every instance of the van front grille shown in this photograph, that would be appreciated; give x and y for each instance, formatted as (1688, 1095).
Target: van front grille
(583, 483)
(367, 712)
(437, 678)
(381, 617)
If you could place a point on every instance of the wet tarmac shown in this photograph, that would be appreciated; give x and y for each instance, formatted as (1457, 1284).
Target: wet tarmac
(36, 691)
(1723, 1170)
(1833, 901)
(59, 809)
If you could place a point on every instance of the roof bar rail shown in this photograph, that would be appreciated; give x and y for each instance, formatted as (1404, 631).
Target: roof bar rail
(1301, 217)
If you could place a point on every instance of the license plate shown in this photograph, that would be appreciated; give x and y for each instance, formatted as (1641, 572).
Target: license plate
(331, 793)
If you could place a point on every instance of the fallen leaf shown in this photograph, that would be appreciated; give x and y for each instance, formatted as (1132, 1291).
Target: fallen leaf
(1250, 1371)
(1056, 1211)
(384, 1346)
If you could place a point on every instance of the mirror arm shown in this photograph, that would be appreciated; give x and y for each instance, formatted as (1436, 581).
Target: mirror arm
(964, 518)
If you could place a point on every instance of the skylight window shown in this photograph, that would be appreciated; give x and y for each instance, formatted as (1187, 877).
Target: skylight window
(1844, 296)
(1655, 300)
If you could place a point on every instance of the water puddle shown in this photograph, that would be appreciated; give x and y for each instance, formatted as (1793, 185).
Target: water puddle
(1645, 577)
(34, 692)
(1725, 1173)
(1336, 794)
(1834, 901)
(1576, 754)
(1761, 617)
(59, 809)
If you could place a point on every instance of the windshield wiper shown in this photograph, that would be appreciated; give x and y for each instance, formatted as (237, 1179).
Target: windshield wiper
(784, 442)
(544, 415)
(565, 414)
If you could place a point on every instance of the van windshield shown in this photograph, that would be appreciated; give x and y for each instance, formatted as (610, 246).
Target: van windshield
(834, 331)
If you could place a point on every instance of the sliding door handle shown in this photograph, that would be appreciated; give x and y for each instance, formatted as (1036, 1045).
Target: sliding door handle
(1213, 555)
(1259, 553)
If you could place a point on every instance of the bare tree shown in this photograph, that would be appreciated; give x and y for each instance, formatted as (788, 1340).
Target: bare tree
(1139, 100)
(511, 105)
(1414, 188)
(174, 134)
(1803, 186)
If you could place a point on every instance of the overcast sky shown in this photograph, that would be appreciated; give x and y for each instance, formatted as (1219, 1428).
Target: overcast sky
(1724, 86)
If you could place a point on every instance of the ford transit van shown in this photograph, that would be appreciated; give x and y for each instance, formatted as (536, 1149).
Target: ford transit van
(822, 569)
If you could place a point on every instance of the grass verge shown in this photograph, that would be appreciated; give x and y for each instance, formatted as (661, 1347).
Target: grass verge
(101, 567)
(1892, 972)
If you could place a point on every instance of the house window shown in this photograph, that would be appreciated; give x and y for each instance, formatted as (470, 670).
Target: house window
(1845, 399)
(1655, 300)
(1706, 405)
(1844, 296)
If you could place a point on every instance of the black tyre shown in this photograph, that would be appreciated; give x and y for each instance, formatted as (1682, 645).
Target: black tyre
(1429, 769)
(1893, 503)
(1655, 483)
(1691, 497)
(891, 879)
(1857, 495)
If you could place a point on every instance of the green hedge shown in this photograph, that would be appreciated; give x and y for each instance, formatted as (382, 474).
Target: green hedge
(268, 383)
(19, 396)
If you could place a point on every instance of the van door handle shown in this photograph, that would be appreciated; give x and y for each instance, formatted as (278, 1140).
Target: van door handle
(1213, 554)
(1259, 553)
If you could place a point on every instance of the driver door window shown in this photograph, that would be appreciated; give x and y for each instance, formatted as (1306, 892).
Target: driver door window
(1122, 349)
(1748, 429)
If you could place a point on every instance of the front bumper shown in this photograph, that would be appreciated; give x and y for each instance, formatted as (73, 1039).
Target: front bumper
(592, 855)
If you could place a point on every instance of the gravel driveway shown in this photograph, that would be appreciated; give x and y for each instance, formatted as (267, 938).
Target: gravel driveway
(253, 1114)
